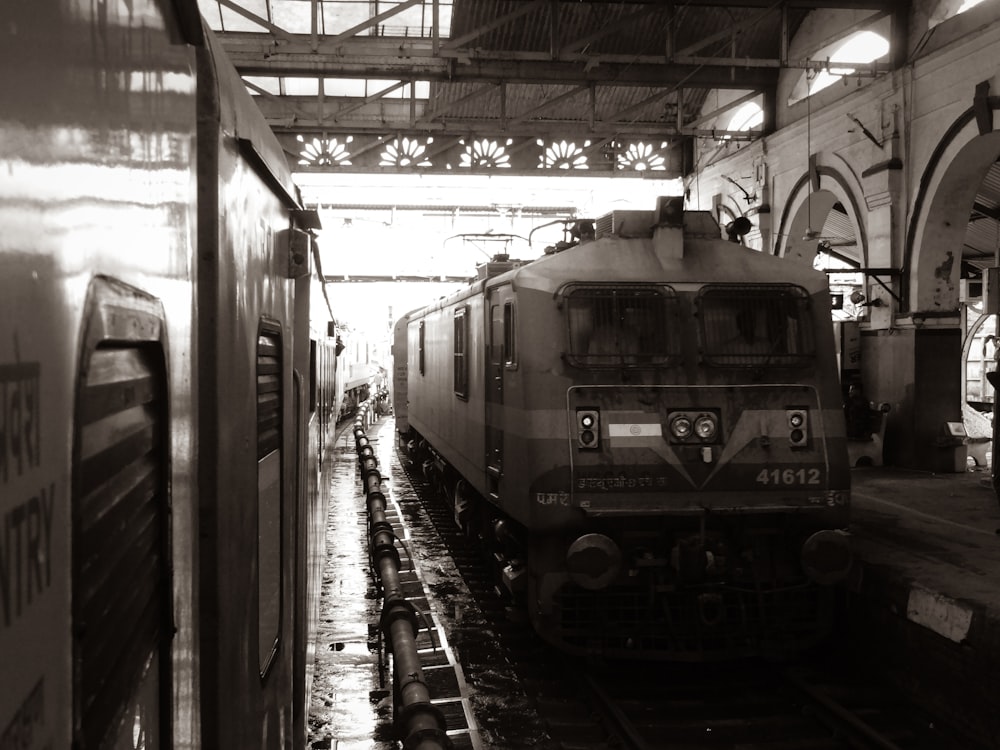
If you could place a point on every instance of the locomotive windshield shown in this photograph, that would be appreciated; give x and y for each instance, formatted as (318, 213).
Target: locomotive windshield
(622, 326)
(754, 326)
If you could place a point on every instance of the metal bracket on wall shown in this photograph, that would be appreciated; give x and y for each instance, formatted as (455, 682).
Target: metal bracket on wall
(873, 275)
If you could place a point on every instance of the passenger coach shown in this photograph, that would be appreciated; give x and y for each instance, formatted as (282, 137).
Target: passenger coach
(163, 404)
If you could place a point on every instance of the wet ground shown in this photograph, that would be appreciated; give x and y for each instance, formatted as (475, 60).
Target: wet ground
(350, 707)
(506, 718)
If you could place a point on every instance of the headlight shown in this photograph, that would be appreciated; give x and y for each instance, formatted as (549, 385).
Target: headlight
(588, 429)
(797, 420)
(704, 427)
(680, 427)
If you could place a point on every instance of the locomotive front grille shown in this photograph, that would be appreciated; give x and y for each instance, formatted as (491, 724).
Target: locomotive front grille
(622, 326)
(694, 624)
(755, 325)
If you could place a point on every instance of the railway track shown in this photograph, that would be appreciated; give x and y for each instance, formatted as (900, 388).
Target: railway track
(823, 702)
(762, 706)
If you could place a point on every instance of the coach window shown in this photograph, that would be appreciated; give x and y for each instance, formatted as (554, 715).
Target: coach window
(269, 442)
(509, 336)
(420, 348)
(461, 360)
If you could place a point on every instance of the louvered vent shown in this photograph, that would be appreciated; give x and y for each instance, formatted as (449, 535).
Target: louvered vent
(269, 493)
(268, 393)
(120, 540)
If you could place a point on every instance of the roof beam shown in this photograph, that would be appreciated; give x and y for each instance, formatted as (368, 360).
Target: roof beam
(305, 114)
(495, 24)
(726, 33)
(547, 104)
(263, 22)
(551, 44)
(387, 57)
(791, 4)
(624, 23)
(442, 108)
(373, 21)
(413, 60)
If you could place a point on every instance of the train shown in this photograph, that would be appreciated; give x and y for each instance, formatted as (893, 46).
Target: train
(168, 392)
(364, 375)
(642, 430)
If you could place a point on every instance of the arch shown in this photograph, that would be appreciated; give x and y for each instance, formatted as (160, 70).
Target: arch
(749, 115)
(946, 9)
(859, 46)
(806, 211)
(726, 213)
(981, 332)
(947, 190)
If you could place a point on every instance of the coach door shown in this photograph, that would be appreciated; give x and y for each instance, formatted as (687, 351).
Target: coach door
(496, 358)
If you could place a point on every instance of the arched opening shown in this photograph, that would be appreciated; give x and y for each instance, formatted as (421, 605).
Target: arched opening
(957, 229)
(747, 117)
(979, 354)
(820, 224)
(820, 227)
(953, 239)
(949, 8)
(858, 48)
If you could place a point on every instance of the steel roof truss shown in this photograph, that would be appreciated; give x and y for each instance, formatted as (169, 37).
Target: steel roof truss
(283, 102)
(606, 30)
(372, 98)
(444, 108)
(730, 34)
(639, 105)
(374, 21)
(725, 108)
(276, 30)
(549, 103)
(495, 24)
(519, 69)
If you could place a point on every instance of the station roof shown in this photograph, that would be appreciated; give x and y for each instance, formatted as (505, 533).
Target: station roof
(577, 86)
(580, 88)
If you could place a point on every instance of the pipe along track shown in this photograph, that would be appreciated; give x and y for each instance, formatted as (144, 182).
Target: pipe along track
(419, 724)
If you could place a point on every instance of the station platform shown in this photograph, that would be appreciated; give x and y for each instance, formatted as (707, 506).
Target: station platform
(925, 588)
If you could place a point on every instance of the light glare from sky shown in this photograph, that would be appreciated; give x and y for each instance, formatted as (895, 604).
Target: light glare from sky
(408, 225)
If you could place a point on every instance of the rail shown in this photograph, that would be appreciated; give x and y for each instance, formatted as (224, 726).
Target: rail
(419, 723)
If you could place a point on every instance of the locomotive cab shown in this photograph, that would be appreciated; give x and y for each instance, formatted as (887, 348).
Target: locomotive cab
(662, 442)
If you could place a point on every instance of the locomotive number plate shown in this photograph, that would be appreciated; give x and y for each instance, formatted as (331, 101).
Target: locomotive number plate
(789, 477)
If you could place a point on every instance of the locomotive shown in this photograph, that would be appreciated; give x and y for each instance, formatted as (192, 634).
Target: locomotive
(166, 405)
(643, 429)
